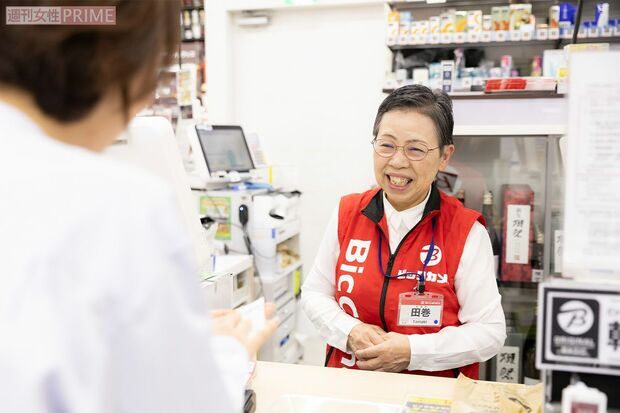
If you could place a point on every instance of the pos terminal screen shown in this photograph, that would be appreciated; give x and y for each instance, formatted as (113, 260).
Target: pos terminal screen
(224, 148)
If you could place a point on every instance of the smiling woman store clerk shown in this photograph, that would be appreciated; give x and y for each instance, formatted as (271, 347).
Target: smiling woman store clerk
(404, 278)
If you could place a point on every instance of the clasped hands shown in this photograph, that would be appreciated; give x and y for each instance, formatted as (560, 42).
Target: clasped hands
(377, 350)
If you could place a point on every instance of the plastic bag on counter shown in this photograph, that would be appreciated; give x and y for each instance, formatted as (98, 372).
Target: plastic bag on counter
(472, 396)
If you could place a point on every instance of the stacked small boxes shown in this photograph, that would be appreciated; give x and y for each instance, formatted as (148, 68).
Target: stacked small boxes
(514, 22)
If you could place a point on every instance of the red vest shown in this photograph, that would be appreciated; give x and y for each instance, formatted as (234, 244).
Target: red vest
(363, 292)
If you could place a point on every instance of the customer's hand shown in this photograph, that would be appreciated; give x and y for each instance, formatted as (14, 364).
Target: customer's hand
(363, 336)
(227, 322)
(392, 354)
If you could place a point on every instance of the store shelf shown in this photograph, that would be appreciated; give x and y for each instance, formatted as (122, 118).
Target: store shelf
(249, 5)
(422, 4)
(193, 40)
(556, 43)
(470, 45)
(528, 94)
(517, 284)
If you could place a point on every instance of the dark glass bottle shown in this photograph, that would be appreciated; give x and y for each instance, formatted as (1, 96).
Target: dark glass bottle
(487, 212)
(531, 375)
(538, 256)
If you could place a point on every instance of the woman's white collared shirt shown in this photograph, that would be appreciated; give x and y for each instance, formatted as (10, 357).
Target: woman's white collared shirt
(483, 328)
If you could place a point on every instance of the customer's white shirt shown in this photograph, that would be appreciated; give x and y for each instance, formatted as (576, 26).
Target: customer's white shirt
(100, 304)
(483, 328)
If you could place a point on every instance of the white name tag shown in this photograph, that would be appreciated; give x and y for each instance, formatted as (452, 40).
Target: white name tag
(425, 310)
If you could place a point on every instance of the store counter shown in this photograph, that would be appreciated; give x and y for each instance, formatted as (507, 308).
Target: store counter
(273, 381)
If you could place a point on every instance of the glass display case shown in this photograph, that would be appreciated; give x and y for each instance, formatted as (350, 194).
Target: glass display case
(514, 177)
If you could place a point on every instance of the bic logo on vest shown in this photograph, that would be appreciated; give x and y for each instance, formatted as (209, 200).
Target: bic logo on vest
(355, 256)
(435, 258)
(575, 317)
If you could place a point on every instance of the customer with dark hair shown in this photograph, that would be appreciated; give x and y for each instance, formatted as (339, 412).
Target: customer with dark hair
(404, 279)
(100, 303)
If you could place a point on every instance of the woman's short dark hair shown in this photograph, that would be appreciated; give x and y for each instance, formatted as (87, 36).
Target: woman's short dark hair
(68, 68)
(435, 104)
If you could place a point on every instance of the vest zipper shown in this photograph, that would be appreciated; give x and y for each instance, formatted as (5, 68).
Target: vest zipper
(386, 280)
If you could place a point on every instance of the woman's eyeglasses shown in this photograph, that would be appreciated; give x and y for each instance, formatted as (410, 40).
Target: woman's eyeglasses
(414, 151)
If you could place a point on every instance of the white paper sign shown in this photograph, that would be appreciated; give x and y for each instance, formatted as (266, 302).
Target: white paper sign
(554, 33)
(518, 234)
(507, 368)
(592, 203)
(557, 250)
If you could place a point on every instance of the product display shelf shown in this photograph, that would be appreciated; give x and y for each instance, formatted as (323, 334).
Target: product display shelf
(517, 284)
(520, 167)
(527, 94)
(422, 4)
(555, 43)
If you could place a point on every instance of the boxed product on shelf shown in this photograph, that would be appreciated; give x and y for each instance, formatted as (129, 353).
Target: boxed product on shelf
(487, 22)
(505, 17)
(554, 17)
(404, 27)
(474, 21)
(518, 234)
(414, 32)
(540, 83)
(496, 15)
(460, 22)
(434, 23)
(519, 15)
(448, 22)
(542, 31)
(447, 75)
(505, 84)
(393, 28)
(422, 33)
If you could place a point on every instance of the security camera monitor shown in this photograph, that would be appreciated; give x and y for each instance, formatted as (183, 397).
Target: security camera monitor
(224, 148)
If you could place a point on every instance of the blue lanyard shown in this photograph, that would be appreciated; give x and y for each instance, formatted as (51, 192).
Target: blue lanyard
(422, 275)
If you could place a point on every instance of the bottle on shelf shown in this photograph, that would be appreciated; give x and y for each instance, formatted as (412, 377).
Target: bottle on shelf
(196, 28)
(487, 213)
(187, 26)
(537, 255)
(531, 375)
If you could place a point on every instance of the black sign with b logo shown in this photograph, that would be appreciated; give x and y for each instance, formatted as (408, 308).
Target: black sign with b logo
(575, 327)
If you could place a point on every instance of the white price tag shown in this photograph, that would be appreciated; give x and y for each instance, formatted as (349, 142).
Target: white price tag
(500, 36)
(507, 367)
(554, 33)
(459, 37)
(473, 37)
(485, 37)
(447, 38)
(607, 31)
(515, 35)
(557, 251)
(434, 38)
(526, 36)
(542, 34)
